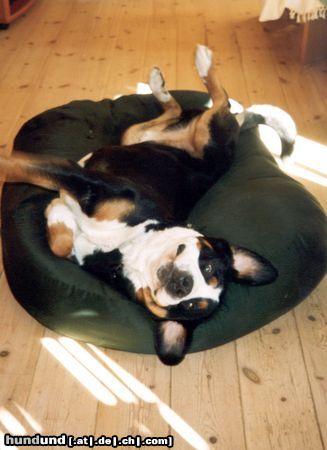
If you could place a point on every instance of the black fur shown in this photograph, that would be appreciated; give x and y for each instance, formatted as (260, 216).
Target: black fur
(107, 266)
(166, 182)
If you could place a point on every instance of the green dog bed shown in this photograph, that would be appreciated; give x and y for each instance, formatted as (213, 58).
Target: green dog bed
(254, 205)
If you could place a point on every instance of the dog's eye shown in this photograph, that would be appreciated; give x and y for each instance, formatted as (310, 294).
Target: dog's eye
(207, 269)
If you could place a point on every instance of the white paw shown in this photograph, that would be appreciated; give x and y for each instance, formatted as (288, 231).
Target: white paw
(156, 80)
(203, 60)
(157, 85)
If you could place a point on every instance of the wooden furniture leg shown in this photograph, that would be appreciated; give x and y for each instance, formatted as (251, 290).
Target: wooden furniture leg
(314, 41)
(11, 9)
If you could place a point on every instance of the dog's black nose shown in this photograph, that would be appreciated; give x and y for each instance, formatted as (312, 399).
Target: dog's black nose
(180, 284)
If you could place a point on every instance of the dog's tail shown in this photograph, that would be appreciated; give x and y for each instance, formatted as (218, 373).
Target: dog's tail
(49, 174)
(276, 118)
(85, 186)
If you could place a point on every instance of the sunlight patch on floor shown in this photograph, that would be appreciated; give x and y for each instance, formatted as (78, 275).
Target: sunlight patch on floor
(138, 388)
(167, 413)
(2, 444)
(182, 428)
(29, 419)
(84, 376)
(103, 375)
(308, 161)
(10, 422)
(107, 381)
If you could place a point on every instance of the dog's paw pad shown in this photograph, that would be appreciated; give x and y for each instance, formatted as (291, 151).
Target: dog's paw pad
(203, 60)
(156, 80)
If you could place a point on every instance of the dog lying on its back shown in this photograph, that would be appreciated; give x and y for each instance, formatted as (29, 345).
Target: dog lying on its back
(119, 210)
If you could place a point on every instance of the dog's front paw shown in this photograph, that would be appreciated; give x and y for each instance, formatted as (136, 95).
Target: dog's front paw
(203, 60)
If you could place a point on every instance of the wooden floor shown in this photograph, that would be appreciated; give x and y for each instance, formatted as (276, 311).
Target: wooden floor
(268, 390)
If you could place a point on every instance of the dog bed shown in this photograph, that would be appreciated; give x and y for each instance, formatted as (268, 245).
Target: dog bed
(254, 205)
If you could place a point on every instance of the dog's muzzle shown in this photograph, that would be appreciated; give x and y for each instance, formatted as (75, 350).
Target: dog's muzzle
(177, 283)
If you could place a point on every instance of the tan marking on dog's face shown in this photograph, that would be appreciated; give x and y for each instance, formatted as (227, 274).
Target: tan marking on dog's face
(144, 295)
(202, 242)
(207, 243)
(114, 209)
(203, 304)
(214, 282)
(60, 239)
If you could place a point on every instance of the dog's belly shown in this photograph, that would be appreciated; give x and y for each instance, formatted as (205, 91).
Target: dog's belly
(178, 138)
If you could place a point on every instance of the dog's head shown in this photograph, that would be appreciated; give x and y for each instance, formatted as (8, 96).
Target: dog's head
(180, 277)
(189, 284)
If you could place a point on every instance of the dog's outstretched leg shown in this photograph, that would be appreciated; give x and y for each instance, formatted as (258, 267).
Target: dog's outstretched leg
(152, 129)
(204, 62)
(219, 110)
(167, 101)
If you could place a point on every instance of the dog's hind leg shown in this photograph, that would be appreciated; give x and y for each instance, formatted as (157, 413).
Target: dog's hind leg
(169, 104)
(219, 110)
(204, 62)
(151, 130)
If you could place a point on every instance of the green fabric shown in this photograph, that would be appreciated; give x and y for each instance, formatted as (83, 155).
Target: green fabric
(254, 205)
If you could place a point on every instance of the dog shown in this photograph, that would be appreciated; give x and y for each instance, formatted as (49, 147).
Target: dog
(121, 210)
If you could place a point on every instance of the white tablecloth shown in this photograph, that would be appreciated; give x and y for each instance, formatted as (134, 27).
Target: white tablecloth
(301, 10)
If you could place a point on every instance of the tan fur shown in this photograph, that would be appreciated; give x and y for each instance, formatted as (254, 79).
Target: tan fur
(192, 138)
(203, 304)
(115, 209)
(220, 105)
(144, 295)
(202, 242)
(23, 171)
(214, 282)
(60, 239)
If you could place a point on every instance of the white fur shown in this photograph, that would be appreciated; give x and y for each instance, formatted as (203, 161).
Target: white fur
(245, 264)
(203, 60)
(148, 253)
(274, 111)
(237, 109)
(89, 233)
(143, 252)
(61, 213)
(173, 335)
(156, 83)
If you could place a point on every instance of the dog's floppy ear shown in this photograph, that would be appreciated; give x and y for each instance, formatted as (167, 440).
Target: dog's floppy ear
(247, 266)
(251, 268)
(172, 339)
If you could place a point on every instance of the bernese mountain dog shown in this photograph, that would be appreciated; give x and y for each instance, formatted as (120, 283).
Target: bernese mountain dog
(121, 211)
